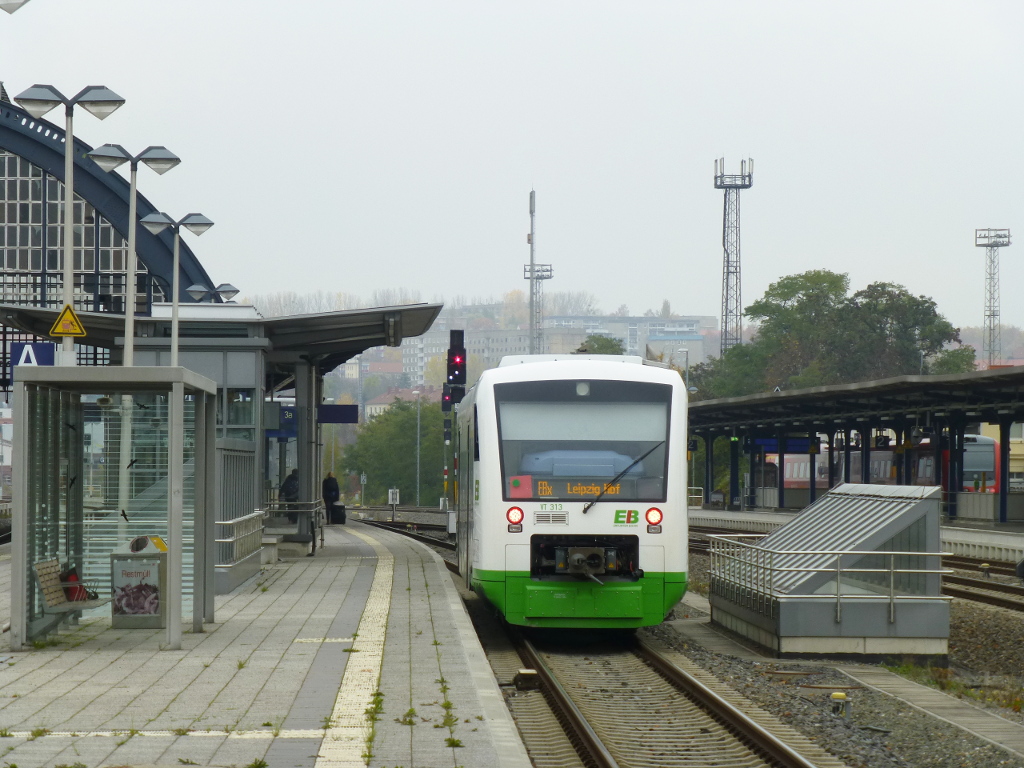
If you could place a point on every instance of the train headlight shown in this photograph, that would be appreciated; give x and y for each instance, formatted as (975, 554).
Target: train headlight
(654, 516)
(514, 515)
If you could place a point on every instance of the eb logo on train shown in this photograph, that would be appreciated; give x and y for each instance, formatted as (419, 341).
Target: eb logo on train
(627, 516)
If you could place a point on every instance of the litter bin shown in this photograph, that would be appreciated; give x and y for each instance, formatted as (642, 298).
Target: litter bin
(337, 516)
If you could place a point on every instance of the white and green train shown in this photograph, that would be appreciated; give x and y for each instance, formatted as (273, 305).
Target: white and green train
(571, 490)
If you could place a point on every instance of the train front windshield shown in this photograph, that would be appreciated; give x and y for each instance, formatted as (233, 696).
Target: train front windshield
(569, 440)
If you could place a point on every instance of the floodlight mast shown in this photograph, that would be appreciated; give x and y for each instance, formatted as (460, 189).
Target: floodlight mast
(991, 240)
(536, 273)
(732, 303)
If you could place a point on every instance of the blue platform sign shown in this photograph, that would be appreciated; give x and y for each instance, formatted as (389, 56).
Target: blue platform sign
(32, 353)
(337, 414)
(793, 444)
(289, 424)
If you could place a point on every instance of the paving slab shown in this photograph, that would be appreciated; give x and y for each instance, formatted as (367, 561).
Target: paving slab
(360, 656)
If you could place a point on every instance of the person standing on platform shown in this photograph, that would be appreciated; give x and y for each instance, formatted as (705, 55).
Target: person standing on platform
(331, 493)
(290, 487)
(290, 493)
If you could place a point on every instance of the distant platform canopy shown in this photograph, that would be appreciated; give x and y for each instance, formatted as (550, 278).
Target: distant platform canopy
(991, 396)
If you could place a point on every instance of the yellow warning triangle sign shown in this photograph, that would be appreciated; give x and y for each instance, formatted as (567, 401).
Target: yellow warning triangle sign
(67, 324)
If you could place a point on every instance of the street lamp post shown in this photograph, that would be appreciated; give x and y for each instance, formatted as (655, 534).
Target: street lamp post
(160, 159)
(417, 393)
(101, 102)
(686, 367)
(108, 157)
(195, 223)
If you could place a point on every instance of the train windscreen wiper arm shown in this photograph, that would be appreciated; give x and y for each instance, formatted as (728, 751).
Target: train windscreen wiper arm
(618, 477)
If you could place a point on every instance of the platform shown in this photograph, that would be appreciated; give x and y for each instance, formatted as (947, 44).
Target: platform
(287, 675)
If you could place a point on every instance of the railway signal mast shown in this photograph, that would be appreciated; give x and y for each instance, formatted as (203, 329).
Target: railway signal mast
(732, 304)
(991, 240)
(536, 273)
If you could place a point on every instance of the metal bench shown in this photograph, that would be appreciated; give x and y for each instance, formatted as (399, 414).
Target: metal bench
(55, 600)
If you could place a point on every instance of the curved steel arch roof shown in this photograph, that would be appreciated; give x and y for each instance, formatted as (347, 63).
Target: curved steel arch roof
(42, 144)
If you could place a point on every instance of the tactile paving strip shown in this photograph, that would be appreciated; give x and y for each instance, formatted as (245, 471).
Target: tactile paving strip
(345, 740)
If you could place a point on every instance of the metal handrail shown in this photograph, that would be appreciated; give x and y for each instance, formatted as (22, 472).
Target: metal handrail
(246, 538)
(745, 573)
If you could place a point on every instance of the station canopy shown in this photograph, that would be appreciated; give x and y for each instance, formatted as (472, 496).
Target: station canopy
(328, 338)
(991, 396)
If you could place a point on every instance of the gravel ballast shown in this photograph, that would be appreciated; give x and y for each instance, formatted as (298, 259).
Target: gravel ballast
(985, 645)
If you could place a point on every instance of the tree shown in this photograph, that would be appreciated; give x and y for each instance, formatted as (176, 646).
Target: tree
(958, 360)
(811, 333)
(602, 345)
(570, 303)
(887, 330)
(385, 450)
(798, 319)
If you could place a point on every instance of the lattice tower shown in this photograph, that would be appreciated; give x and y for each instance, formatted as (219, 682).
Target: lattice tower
(536, 274)
(732, 301)
(991, 240)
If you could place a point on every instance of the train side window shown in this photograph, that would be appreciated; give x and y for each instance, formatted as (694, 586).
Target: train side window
(476, 436)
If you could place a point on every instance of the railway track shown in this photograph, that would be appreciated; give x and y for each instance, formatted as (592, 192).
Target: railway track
(1009, 596)
(629, 705)
(619, 705)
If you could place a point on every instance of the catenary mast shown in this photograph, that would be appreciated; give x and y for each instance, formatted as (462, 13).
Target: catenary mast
(536, 273)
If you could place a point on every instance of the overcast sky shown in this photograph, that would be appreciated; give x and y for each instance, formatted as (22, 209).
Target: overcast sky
(354, 146)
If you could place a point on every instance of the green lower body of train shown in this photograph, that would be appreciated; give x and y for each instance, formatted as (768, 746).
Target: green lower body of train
(582, 604)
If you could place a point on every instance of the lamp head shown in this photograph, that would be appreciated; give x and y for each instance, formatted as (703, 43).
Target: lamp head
(109, 156)
(197, 292)
(196, 223)
(160, 159)
(39, 99)
(227, 291)
(12, 5)
(156, 222)
(98, 100)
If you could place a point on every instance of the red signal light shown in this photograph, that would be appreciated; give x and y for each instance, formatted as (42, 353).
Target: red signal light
(654, 516)
(514, 515)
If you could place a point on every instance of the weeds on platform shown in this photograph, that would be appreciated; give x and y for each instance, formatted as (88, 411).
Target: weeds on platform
(373, 713)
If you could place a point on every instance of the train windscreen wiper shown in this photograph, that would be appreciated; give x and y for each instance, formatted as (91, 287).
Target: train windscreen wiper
(618, 477)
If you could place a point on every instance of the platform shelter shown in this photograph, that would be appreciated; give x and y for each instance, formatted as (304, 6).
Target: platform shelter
(857, 573)
(78, 511)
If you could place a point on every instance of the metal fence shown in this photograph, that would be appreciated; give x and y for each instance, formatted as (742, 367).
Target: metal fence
(749, 575)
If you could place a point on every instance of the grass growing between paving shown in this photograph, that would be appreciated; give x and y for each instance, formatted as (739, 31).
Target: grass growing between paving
(1009, 695)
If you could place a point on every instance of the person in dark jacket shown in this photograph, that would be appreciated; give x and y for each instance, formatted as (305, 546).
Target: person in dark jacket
(290, 487)
(331, 493)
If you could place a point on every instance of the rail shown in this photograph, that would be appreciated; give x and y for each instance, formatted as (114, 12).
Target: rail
(749, 575)
(239, 538)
